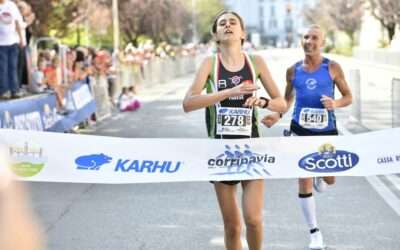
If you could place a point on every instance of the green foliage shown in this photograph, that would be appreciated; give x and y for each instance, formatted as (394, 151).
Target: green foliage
(383, 43)
(206, 10)
(343, 44)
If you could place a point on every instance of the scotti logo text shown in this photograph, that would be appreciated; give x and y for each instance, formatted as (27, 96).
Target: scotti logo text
(329, 160)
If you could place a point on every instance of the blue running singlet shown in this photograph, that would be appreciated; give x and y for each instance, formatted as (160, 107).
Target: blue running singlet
(309, 115)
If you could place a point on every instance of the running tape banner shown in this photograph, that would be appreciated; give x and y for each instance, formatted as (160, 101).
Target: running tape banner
(56, 157)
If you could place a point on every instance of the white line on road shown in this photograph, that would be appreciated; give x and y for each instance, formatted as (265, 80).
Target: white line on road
(219, 241)
(391, 199)
(385, 193)
(394, 180)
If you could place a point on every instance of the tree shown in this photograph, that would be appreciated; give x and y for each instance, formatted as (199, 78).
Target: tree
(344, 15)
(205, 12)
(347, 16)
(318, 15)
(53, 15)
(162, 20)
(387, 12)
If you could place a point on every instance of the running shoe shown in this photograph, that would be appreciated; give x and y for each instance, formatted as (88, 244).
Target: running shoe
(316, 241)
(319, 184)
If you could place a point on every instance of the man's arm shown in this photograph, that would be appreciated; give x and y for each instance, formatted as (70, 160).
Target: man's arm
(339, 79)
(289, 93)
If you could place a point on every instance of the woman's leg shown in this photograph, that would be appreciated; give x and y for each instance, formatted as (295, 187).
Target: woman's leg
(227, 200)
(253, 203)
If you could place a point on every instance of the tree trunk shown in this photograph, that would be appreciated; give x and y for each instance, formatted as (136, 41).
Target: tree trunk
(391, 28)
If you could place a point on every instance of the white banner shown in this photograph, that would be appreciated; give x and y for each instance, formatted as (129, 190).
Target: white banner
(57, 157)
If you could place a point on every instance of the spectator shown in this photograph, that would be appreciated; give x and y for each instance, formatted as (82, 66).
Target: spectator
(38, 84)
(10, 37)
(127, 100)
(53, 77)
(28, 17)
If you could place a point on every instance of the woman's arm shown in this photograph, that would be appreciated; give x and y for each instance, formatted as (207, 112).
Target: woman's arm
(194, 99)
(277, 103)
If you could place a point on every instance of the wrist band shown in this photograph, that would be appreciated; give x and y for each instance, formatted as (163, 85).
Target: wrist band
(266, 102)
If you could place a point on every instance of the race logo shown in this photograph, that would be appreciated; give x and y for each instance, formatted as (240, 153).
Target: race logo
(329, 160)
(311, 83)
(95, 161)
(27, 161)
(92, 162)
(236, 80)
(236, 160)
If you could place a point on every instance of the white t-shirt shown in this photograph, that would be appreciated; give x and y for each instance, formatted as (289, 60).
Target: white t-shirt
(9, 14)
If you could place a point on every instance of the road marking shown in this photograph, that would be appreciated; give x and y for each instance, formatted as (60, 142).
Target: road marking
(388, 196)
(385, 193)
(394, 180)
(219, 241)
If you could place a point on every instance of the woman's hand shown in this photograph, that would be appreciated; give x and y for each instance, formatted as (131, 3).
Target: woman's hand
(254, 101)
(243, 89)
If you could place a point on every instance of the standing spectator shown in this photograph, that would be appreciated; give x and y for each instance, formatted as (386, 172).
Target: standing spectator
(28, 17)
(10, 36)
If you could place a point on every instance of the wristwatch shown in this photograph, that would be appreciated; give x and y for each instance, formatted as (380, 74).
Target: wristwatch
(266, 102)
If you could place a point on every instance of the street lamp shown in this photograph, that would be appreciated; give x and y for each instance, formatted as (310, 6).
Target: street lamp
(115, 16)
(194, 39)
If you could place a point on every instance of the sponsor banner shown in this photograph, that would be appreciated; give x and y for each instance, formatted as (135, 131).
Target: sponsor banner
(39, 112)
(56, 157)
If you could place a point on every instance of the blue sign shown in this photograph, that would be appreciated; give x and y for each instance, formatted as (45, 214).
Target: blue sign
(39, 112)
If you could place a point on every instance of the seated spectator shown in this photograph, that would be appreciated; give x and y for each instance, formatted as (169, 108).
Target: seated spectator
(38, 84)
(53, 76)
(128, 101)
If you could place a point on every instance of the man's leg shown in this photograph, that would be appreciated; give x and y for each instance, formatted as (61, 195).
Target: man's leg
(13, 83)
(308, 206)
(3, 70)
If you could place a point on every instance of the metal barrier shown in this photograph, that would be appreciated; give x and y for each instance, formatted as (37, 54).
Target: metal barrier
(354, 80)
(62, 55)
(99, 86)
(156, 71)
(396, 102)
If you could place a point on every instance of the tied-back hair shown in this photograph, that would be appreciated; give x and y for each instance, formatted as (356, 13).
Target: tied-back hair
(215, 23)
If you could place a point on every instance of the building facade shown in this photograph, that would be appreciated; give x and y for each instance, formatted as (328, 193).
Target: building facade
(279, 23)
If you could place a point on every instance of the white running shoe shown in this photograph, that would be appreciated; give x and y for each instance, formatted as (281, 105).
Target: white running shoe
(316, 241)
(319, 184)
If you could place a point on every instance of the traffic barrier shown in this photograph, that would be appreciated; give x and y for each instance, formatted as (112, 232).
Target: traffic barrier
(396, 102)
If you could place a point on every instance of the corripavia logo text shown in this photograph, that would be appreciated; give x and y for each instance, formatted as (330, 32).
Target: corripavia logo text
(237, 160)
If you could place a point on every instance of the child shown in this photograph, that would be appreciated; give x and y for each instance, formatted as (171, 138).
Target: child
(127, 100)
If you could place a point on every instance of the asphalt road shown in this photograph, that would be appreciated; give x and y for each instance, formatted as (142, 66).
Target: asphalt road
(352, 214)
